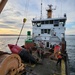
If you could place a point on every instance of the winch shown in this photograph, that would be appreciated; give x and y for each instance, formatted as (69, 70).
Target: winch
(10, 64)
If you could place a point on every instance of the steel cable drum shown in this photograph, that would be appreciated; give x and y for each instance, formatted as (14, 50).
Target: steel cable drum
(9, 63)
(27, 57)
(24, 54)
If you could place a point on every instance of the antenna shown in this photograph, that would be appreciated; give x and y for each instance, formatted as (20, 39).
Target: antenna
(61, 7)
(41, 9)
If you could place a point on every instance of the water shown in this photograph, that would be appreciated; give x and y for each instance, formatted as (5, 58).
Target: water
(71, 53)
(5, 40)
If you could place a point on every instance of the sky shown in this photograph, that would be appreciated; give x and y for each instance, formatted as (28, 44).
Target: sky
(11, 18)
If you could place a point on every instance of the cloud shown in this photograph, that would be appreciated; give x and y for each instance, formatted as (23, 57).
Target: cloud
(4, 26)
(70, 28)
(70, 31)
(8, 31)
(14, 12)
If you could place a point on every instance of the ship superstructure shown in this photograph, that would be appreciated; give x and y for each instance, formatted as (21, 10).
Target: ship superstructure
(49, 30)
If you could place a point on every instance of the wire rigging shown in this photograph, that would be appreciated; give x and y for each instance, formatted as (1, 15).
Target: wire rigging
(61, 7)
(41, 9)
(26, 5)
(24, 20)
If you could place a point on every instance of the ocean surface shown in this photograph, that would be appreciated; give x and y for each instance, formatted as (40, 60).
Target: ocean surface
(71, 53)
(5, 40)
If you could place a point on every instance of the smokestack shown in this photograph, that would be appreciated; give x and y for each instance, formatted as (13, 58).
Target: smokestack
(49, 11)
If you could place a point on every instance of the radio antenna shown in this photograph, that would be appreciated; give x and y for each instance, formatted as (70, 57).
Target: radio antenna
(41, 9)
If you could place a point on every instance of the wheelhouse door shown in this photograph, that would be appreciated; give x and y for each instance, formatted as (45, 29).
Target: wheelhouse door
(47, 44)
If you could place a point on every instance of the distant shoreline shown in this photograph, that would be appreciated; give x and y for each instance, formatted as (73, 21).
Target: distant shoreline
(10, 35)
(21, 35)
(70, 35)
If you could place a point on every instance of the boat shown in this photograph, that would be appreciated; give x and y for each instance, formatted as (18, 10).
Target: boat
(48, 35)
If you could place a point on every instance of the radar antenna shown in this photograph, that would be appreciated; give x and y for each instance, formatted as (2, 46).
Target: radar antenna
(41, 10)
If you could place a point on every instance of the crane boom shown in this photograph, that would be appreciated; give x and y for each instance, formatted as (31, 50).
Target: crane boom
(2, 4)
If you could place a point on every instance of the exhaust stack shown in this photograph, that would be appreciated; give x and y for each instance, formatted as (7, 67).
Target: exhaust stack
(49, 11)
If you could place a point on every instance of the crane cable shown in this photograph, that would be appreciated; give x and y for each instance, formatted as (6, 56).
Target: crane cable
(24, 20)
(26, 8)
(61, 7)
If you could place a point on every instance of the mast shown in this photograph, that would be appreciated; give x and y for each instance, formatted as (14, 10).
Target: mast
(41, 9)
(2, 4)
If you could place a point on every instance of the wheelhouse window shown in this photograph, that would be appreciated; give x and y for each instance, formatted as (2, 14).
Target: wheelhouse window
(42, 22)
(42, 31)
(45, 31)
(56, 23)
(51, 21)
(61, 23)
(34, 23)
(38, 24)
(46, 22)
(48, 31)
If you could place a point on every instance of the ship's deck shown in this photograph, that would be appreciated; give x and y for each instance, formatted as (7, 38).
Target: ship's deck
(48, 67)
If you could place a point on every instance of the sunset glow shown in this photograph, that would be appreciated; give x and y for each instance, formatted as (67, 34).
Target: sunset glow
(8, 31)
(14, 12)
